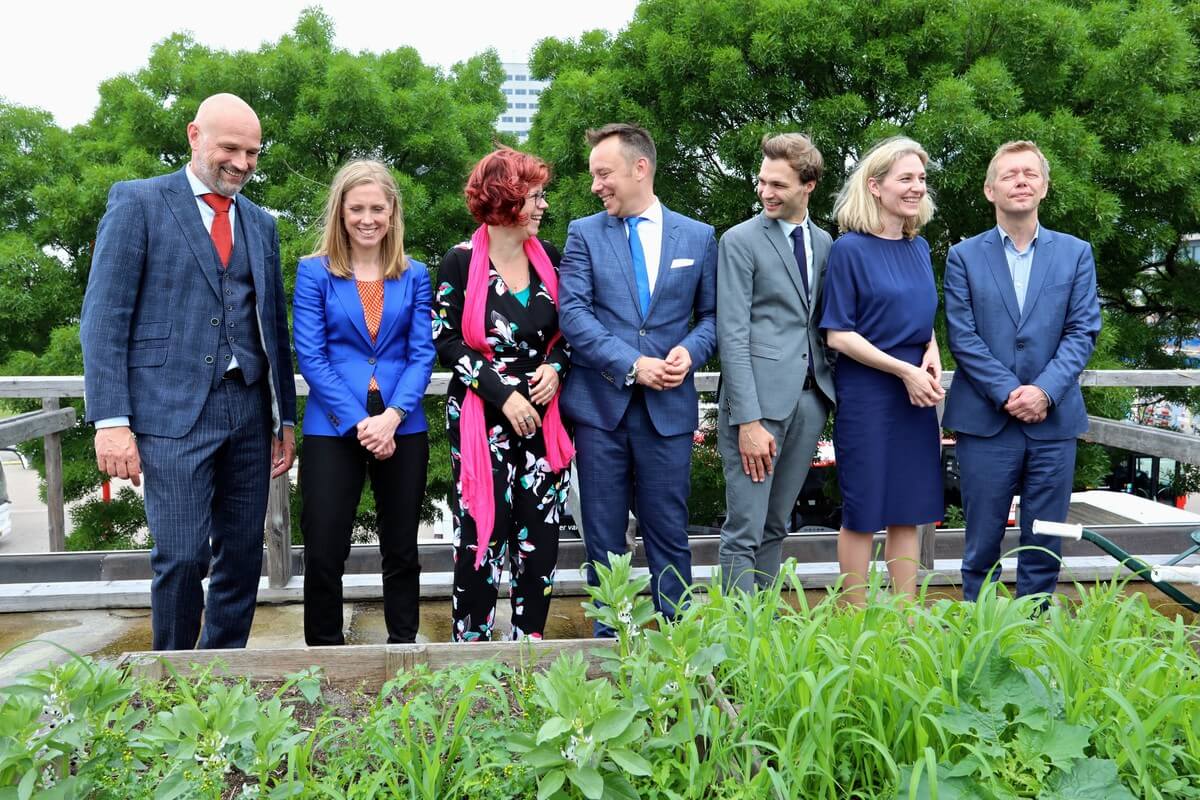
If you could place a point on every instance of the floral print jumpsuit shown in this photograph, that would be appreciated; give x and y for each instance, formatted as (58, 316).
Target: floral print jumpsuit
(529, 496)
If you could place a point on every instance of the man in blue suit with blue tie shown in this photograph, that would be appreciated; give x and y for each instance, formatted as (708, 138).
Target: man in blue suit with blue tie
(188, 372)
(637, 303)
(1023, 317)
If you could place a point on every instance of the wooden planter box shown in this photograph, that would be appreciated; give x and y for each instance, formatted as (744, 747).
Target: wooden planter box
(369, 665)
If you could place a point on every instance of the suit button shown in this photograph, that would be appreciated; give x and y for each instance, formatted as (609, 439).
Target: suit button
(370, 361)
(214, 321)
(642, 332)
(209, 359)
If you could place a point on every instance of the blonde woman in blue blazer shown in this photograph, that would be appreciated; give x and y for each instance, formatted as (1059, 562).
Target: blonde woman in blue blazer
(364, 343)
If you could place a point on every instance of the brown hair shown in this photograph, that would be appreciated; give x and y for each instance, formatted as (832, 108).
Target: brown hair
(636, 141)
(799, 151)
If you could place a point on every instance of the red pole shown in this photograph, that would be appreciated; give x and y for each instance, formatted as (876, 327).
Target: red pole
(106, 492)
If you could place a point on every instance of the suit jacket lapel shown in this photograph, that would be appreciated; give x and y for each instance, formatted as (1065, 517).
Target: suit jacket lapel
(251, 241)
(1043, 262)
(999, 266)
(820, 251)
(670, 236)
(619, 242)
(775, 236)
(394, 293)
(177, 195)
(347, 293)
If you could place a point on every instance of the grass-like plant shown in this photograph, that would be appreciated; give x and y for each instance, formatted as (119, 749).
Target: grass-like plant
(744, 697)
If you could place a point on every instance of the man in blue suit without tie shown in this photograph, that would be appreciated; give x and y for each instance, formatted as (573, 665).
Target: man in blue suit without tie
(1023, 317)
(185, 345)
(637, 304)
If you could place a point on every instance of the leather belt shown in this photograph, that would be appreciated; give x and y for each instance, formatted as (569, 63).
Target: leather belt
(233, 374)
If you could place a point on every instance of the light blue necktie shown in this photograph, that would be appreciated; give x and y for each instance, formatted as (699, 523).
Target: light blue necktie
(639, 263)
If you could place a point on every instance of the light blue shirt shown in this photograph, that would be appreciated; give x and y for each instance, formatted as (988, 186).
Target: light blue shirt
(1020, 264)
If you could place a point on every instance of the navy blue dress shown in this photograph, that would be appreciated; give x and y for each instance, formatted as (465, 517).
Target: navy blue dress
(887, 449)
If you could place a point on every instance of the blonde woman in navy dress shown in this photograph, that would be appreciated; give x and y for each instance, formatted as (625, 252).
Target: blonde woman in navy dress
(880, 300)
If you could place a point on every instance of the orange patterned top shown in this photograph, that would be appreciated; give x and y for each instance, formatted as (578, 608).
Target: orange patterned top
(371, 295)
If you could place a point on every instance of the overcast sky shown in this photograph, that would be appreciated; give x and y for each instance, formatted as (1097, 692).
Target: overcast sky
(53, 55)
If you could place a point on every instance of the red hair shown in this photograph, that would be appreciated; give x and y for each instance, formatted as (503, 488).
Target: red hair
(499, 184)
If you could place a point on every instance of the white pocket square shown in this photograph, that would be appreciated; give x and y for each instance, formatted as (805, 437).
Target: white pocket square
(682, 262)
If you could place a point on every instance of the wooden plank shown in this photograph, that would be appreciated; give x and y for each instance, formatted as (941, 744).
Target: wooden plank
(30, 386)
(278, 533)
(1144, 439)
(55, 511)
(369, 665)
(31, 425)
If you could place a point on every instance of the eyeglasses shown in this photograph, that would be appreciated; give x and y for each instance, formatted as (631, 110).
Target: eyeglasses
(537, 196)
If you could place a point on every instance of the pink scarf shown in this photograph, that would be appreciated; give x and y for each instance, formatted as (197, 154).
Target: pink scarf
(476, 473)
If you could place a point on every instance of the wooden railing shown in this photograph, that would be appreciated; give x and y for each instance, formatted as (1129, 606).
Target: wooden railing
(52, 420)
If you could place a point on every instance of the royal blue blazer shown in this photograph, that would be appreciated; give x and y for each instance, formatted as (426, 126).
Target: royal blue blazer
(337, 358)
(601, 318)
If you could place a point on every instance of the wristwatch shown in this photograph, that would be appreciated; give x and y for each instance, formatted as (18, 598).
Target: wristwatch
(631, 376)
(399, 411)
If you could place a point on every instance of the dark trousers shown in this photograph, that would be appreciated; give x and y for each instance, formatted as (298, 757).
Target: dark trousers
(992, 470)
(635, 463)
(528, 498)
(332, 471)
(206, 504)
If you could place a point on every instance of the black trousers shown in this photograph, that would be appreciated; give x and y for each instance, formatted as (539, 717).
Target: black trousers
(332, 472)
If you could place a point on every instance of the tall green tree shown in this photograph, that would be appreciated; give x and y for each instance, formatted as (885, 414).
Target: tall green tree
(320, 106)
(1109, 89)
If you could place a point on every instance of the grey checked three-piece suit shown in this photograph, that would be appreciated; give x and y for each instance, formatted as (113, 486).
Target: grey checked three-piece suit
(161, 322)
(766, 333)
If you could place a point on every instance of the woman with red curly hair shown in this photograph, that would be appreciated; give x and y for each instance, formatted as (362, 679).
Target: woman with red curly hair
(495, 323)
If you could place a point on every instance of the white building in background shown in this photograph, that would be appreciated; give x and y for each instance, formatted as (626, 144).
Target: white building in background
(522, 95)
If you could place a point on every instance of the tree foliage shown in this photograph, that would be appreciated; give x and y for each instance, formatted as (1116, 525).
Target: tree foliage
(1109, 90)
(320, 106)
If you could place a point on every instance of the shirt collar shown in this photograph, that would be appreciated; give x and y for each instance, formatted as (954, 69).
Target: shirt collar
(787, 227)
(1007, 240)
(654, 213)
(198, 187)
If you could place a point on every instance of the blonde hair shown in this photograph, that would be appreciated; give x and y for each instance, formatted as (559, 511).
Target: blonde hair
(335, 242)
(856, 209)
(1021, 146)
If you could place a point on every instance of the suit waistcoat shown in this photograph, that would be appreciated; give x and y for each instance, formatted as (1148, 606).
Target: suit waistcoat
(239, 319)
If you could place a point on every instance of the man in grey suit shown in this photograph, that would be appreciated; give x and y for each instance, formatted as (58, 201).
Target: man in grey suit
(776, 387)
(188, 372)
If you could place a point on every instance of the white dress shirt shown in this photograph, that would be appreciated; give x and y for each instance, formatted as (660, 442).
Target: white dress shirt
(650, 232)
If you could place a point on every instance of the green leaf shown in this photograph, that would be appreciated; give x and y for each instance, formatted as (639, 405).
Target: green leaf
(25, 787)
(550, 783)
(552, 729)
(588, 780)
(705, 660)
(611, 724)
(948, 788)
(543, 757)
(630, 761)
(966, 720)
(617, 788)
(1062, 743)
(1089, 779)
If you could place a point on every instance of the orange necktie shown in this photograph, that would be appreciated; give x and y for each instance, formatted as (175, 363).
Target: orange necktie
(222, 233)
